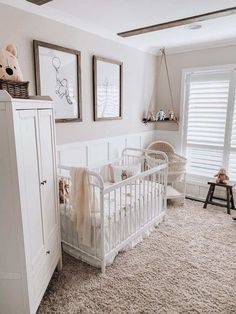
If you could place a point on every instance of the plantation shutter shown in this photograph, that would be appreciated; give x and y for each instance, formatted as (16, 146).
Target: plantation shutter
(207, 98)
(232, 156)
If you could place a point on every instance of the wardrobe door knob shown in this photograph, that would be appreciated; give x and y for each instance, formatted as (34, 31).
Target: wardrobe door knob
(48, 252)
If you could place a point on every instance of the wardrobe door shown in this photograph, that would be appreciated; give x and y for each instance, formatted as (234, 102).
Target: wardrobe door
(29, 179)
(49, 196)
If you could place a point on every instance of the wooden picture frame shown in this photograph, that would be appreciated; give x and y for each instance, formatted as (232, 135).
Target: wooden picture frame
(103, 71)
(58, 74)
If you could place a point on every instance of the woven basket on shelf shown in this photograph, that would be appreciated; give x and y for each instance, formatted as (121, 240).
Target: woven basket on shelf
(15, 89)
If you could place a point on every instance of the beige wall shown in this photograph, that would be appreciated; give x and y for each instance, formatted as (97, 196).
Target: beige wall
(21, 28)
(139, 73)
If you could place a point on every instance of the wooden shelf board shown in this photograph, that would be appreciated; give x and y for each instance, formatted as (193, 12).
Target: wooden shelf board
(164, 121)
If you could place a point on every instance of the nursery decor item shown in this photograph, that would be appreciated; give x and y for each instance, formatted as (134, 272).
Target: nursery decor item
(163, 58)
(58, 74)
(213, 200)
(221, 176)
(107, 88)
(160, 116)
(15, 89)
(11, 78)
(9, 66)
(63, 191)
(122, 172)
(172, 116)
(125, 212)
(176, 179)
(124, 175)
(152, 116)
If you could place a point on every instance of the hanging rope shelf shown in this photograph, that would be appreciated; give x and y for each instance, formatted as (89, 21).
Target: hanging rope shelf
(161, 116)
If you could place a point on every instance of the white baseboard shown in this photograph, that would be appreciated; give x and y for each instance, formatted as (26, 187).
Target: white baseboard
(198, 190)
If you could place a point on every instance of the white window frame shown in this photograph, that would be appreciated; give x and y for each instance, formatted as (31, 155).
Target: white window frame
(184, 113)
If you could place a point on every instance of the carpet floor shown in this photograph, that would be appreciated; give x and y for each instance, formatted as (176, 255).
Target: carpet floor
(187, 265)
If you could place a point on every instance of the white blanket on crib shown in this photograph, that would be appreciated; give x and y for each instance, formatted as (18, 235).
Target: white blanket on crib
(83, 202)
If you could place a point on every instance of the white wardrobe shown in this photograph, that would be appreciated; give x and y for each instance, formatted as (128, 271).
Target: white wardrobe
(29, 218)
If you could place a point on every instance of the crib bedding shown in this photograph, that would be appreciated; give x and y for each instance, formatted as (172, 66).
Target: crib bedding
(130, 199)
(126, 200)
(123, 212)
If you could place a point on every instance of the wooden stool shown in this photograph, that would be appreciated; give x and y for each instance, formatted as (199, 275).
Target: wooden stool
(229, 192)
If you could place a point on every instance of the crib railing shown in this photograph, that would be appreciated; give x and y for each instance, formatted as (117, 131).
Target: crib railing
(127, 209)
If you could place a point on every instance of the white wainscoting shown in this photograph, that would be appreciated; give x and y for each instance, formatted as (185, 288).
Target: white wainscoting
(96, 152)
(171, 137)
(197, 189)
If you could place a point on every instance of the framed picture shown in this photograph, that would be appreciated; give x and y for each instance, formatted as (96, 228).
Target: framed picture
(107, 88)
(58, 74)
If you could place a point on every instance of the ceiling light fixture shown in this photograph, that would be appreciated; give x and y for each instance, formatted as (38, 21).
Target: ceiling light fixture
(39, 2)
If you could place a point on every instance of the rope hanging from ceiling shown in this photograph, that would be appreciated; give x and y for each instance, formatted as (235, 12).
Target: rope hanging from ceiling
(172, 116)
(163, 56)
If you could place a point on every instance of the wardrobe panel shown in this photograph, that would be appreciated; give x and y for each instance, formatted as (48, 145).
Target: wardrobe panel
(31, 182)
(45, 118)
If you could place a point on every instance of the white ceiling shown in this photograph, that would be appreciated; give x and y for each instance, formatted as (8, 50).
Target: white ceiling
(108, 17)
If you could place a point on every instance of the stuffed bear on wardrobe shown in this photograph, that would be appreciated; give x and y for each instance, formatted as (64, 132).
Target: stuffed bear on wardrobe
(9, 66)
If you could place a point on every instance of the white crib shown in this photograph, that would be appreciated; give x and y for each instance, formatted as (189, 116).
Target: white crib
(128, 210)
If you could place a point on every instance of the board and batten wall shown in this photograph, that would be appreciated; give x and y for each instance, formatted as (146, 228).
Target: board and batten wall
(97, 152)
(21, 28)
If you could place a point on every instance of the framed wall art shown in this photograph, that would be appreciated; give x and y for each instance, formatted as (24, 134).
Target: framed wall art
(58, 74)
(107, 88)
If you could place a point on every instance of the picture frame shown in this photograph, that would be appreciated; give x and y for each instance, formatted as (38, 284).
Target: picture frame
(107, 89)
(58, 75)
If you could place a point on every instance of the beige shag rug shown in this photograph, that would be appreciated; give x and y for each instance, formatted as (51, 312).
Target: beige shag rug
(187, 265)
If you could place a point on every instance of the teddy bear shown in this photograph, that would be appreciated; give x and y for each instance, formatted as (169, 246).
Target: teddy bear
(124, 175)
(172, 116)
(9, 66)
(221, 176)
(63, 191)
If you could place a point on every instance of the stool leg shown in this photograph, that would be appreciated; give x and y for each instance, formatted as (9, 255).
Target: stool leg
(208, 196)
(232, 198)
(228, 200)
(212, 192)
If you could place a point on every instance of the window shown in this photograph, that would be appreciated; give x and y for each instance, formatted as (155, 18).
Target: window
(209, 134)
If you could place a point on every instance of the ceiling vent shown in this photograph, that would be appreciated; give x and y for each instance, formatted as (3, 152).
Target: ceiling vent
(39, 2)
